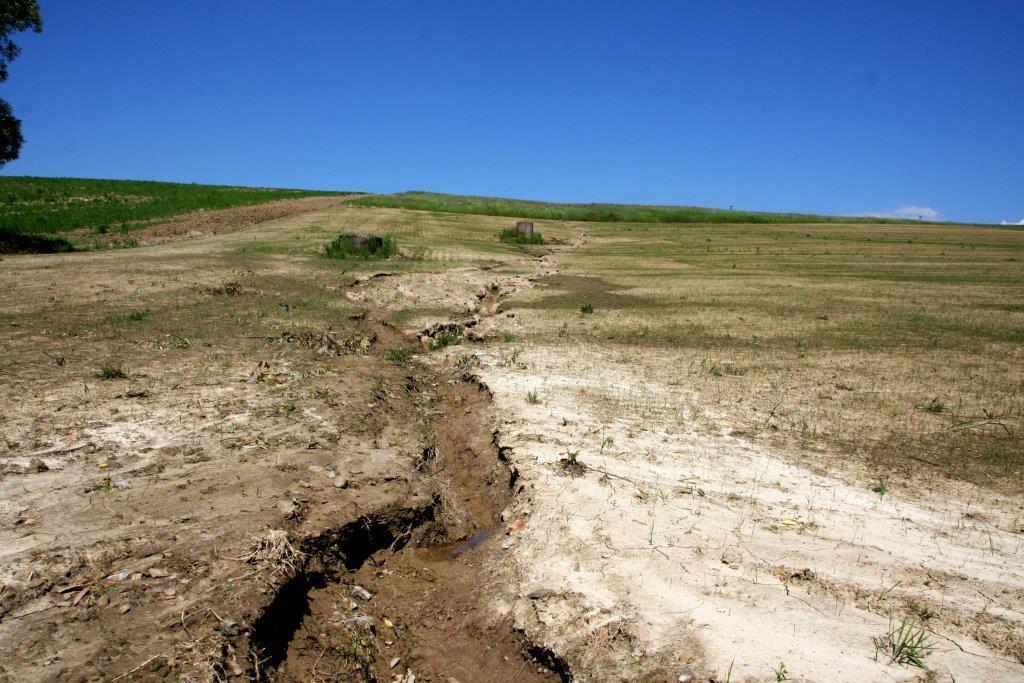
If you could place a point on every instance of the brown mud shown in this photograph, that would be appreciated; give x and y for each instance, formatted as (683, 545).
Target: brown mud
(410, 590)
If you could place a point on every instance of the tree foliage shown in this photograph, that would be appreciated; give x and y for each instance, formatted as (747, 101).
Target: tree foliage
(15, 16)
(10, 134)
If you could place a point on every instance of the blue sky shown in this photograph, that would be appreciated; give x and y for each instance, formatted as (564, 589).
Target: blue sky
(805, 106)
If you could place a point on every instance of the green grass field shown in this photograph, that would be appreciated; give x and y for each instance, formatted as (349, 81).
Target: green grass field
(30, 206)
(609, 213)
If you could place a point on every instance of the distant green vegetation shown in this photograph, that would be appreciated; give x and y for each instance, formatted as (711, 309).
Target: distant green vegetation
(361, 247)
(512, 236)
(608, 213)
(31, 205)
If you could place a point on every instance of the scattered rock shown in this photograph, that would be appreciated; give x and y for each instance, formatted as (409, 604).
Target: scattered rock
(394, 662)
(125, 608)
(361, 592)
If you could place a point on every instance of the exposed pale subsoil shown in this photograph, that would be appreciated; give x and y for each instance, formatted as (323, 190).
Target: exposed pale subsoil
(684, 550)
(207, 510)
(268, 495)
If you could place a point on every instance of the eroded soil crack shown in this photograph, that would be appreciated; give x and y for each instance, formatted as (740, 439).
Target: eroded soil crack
(408, 590)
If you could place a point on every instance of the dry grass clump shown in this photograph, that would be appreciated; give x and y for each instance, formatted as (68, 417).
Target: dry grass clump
(274, 549)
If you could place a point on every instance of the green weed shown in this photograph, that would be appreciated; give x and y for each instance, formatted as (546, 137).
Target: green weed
(398, 355)
(444, 339)
(531, 397)
(111, 372)
(906, 643)
(126, 318)
(512, 236)
(377, 247)
(881, 487)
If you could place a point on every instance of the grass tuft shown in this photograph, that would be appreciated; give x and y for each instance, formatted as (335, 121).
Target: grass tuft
(377, 247)
(512, 236)
(111, 372)
(444, 339)
(907, 643)
(398, 355)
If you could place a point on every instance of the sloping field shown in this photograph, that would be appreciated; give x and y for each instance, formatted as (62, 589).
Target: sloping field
(642, 451)
(55, 214)
(609, 213)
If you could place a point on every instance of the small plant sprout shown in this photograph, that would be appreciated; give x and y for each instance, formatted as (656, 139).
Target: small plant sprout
(509, 337)
(781, 673)
(934, 406)
(587, 308)
(907, 643)
(881, 487)
(531, 397)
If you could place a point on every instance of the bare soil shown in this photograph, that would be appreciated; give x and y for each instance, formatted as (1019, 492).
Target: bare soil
(205, 223)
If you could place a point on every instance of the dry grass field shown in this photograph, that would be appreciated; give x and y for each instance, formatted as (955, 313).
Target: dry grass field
(642, 451)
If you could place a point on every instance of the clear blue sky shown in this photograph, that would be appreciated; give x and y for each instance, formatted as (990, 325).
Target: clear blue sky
(804, 106)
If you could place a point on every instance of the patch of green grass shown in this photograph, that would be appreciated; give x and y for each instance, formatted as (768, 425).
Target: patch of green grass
(508, 337)
(444, 339)
(587, 308)
(111, 372)
(30, 205)
(726, 370)
(398, 355)
(609, 213)
(512, 236)
(376, 247)
(126, 318)
(532, 398)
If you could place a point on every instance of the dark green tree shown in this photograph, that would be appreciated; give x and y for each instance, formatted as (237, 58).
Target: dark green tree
(15, 16)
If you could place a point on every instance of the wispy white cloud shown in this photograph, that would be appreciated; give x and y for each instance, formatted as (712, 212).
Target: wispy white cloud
(911, 211)
(1020, 222)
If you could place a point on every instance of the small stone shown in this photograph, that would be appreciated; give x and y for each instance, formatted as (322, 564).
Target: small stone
(102, 601)
(361, 592)
(341, 482)
(156, 573)
(686, 677)
(394, 662)
(125, 608)
(170, 592)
